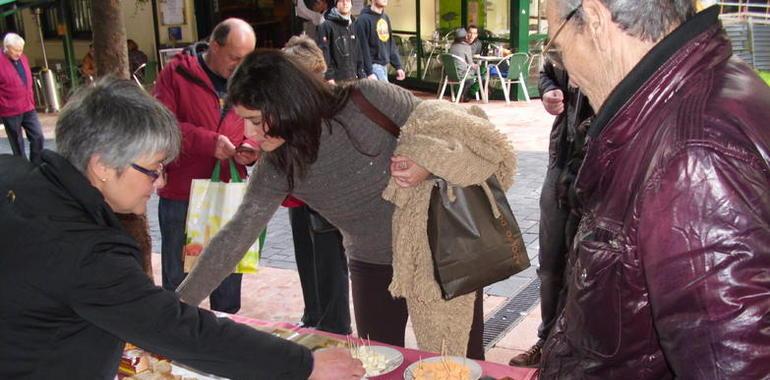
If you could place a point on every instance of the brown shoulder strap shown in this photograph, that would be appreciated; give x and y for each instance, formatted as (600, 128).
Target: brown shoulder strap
(373, 113)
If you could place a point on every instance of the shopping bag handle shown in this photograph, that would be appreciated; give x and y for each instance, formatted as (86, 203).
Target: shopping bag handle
(234, 176)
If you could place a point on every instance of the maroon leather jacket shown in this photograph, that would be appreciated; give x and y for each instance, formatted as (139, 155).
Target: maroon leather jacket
(671, 267)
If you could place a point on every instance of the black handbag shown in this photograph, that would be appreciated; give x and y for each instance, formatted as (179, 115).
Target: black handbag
(319, 224)
(471, 248)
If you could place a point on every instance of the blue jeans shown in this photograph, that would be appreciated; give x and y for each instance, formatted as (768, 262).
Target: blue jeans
(31, 125)
(380, 71)
(172, 217)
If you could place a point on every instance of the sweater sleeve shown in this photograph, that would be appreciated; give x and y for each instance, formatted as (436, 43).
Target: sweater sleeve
(227, 247)
(395, 58)
(111, 291)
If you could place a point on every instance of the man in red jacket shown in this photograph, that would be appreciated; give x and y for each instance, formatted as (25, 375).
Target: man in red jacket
(17, 104)
(193, 86)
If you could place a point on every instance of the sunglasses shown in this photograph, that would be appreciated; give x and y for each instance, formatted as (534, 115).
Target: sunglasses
(154, 174)
(554, 54)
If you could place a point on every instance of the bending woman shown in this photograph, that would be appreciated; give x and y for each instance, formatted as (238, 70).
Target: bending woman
(321, 148)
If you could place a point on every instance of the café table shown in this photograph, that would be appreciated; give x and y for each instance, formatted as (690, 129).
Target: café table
(483, 61)
(494, 370)
(489, 369)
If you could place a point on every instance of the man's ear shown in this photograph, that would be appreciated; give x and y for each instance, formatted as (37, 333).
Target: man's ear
(598, 21)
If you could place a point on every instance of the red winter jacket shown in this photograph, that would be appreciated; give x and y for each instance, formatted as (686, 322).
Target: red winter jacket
(187, 91)
(15, 97)
(670, 270)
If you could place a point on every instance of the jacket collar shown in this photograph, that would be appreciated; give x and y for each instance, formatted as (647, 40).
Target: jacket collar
(59, 171)
(651, 62)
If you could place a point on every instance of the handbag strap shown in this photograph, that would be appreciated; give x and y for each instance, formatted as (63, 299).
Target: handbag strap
(234, 176)
(373, 113)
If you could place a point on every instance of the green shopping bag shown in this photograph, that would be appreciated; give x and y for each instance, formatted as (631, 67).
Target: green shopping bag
(212, 204)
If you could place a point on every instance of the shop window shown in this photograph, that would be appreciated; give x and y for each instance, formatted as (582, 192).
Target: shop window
(12, 23)
(79, 25)
(492, 17)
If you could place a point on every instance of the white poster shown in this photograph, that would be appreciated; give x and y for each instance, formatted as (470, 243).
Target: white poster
(172, 11)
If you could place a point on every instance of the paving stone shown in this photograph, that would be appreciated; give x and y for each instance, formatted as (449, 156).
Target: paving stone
(507, 287)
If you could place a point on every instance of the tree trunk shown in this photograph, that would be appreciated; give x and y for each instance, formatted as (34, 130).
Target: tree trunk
(109, 39)
(112, 59)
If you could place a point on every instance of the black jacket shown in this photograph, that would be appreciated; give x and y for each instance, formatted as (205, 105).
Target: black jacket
(577, 109)
(72, 290)
(337, 39)
(377, 45)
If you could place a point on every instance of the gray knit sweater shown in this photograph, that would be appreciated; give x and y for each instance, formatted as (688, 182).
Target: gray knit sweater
(344, 185)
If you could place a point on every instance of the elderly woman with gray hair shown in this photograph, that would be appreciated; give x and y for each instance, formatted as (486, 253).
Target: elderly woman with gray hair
(669, 266)
(72, 289)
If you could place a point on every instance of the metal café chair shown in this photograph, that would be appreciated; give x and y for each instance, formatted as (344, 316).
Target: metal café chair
(454, 76)
(509, 70)
(144, 75)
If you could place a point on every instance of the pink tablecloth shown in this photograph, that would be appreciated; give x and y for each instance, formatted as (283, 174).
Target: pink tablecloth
(410, 356)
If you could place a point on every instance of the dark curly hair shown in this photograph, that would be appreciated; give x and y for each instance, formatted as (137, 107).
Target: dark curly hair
(294, 102)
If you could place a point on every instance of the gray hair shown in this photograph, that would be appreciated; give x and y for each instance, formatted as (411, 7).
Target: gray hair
(13, 40)
(648, 20)
(117, 120)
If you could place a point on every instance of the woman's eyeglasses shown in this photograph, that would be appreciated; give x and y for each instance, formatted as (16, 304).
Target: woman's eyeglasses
(554, 55)
(154, 174)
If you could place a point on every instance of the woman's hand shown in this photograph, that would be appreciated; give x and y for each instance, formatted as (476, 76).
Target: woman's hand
(406, 172)
(335, 364)
(246, 154)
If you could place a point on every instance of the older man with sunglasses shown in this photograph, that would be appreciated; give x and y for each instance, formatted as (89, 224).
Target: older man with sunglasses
(668, 275)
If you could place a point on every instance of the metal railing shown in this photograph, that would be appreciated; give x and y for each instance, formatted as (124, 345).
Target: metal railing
(748, 26)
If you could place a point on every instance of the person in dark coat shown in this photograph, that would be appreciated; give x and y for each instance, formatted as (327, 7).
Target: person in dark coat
(72, 288)
(136, 58)
(375, 37)
(558, 213)
(337, 40)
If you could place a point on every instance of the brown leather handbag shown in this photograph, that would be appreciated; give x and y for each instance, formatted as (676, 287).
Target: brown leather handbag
(471, 247)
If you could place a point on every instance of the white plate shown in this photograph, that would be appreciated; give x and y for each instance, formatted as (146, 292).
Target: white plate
(393, 359)
(475, 368)
(189, 373)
